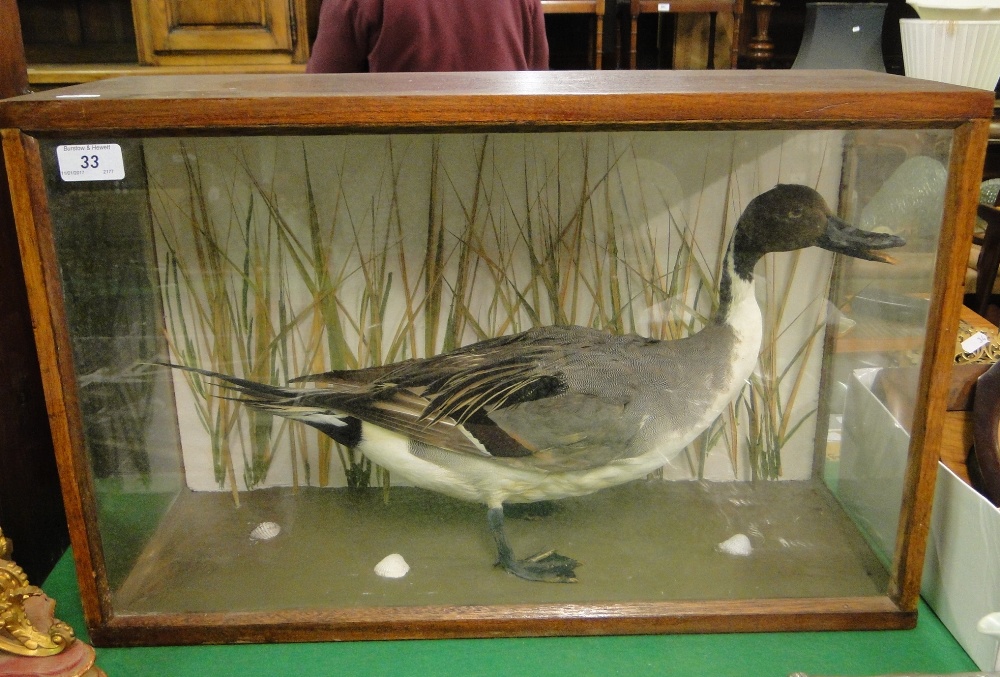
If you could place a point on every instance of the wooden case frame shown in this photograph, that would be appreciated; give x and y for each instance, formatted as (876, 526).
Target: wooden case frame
(221, 105)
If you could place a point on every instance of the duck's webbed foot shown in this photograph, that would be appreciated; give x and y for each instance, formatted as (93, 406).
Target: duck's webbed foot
(547, 566)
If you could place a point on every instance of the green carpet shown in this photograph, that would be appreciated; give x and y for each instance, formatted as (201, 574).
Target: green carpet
(929, 648)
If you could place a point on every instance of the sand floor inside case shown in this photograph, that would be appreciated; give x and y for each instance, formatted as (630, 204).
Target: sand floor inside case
(646, 541)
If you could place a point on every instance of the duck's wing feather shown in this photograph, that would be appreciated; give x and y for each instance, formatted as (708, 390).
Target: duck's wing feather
(443, 401)
(553, 397)
(554, 393)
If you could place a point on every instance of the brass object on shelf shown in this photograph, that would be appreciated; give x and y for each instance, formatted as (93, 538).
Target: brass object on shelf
(23, 632)
(985, 354)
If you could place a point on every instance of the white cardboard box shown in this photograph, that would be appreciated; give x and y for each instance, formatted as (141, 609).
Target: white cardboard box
(961, 579)
(962, 567)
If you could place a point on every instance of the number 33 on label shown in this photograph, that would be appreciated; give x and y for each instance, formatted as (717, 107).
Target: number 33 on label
(90, 162)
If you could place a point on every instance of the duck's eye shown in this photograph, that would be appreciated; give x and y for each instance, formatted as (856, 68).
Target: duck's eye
(795, 213)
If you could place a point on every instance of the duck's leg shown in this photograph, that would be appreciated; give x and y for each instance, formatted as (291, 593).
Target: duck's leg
(545, 566)
(529, 511)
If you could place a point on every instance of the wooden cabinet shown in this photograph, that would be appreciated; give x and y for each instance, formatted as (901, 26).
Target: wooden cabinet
(184, 32)
(71, 41)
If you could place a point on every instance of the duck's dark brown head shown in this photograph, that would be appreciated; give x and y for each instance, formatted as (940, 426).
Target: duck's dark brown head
(793, 216)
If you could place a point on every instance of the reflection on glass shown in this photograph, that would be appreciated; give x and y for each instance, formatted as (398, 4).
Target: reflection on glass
(269, 258)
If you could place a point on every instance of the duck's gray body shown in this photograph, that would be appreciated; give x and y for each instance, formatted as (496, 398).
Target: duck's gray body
(618, 415)
(562, 411)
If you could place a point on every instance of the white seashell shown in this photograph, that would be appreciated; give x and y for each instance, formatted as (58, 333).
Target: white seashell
(990, 624)
(265, 531)
(736, 545)
(393, 566)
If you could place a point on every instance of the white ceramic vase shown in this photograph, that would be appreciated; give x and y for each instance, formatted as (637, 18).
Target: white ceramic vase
(960, 52)
(957, 10)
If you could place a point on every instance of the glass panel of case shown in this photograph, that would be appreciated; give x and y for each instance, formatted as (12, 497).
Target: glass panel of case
(268, 258)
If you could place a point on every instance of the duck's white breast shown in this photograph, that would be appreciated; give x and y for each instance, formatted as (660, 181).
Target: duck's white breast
(493, 481)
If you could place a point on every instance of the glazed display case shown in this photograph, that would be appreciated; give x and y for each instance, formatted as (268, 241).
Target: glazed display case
(195, 246)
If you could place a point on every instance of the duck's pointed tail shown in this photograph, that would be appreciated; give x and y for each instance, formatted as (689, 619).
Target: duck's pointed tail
(312, 407)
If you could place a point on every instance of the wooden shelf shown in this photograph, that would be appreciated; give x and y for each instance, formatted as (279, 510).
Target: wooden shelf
(65, 74)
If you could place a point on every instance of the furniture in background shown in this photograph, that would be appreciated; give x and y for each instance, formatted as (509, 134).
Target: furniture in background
(710, 7)
(780, 25)
(235, 32)
(760, 47)
(592, 7)
(69, 42)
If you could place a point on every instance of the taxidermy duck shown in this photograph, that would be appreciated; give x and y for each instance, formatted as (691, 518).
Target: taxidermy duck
(562, 411)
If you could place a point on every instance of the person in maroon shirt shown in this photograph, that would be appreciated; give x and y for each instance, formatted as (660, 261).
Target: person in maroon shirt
(359, 36)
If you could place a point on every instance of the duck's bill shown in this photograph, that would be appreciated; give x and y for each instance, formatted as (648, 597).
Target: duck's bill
(844, 238)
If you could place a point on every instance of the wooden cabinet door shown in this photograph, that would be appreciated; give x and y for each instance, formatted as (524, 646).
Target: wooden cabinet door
(198, 32)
